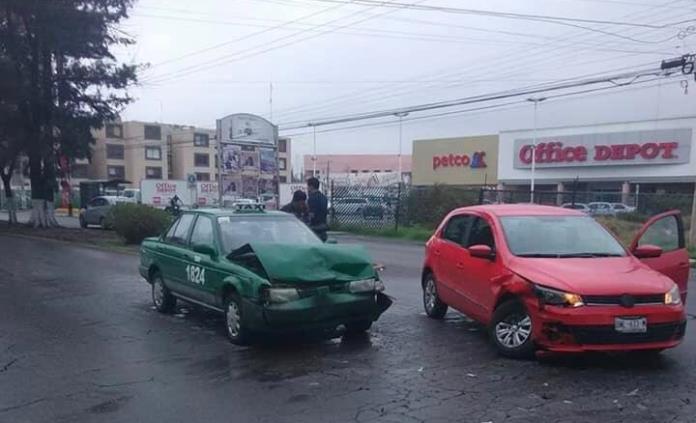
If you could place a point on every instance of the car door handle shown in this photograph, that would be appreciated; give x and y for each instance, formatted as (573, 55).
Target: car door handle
(460, 265)
(437, 252)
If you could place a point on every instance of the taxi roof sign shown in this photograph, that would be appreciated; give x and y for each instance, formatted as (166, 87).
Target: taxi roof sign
(249, 208)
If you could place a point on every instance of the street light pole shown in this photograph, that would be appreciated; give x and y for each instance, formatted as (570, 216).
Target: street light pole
(401, 116)
(536, 102)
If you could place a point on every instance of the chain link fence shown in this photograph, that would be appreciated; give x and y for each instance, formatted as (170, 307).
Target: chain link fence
(398, 206)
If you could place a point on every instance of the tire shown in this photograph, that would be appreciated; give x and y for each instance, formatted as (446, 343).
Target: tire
(163, 300)
(434, 307)
(83, 223)
(234, 321)
(511, 330)
(359, 326)
(102, 223)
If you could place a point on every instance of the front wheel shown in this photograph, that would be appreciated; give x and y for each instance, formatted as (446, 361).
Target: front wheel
(358, 327)
(511, 330)
(163, 300)
(234, 321)
(434, 307)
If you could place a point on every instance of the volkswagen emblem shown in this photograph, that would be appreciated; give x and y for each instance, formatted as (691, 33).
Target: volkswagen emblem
(627, 301)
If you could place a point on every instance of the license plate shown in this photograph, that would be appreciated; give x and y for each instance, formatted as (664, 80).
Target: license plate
(631, 324)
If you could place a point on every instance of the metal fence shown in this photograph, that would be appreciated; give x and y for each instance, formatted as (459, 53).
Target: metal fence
(398, 205)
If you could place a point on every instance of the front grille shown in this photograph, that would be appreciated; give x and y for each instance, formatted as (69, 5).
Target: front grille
(620, 299)
(600, 335)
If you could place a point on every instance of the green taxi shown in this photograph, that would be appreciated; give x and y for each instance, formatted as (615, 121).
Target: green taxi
(265, 270)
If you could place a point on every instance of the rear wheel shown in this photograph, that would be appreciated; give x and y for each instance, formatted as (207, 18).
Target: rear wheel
(511, 330)
(83, 222)
(434, 307)
(163, 300)
(234, 321)
(102, 223)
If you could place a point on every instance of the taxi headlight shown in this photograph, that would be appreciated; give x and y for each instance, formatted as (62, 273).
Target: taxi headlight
(282, 295)
(558, 298)
(365, 285)
(673, 297)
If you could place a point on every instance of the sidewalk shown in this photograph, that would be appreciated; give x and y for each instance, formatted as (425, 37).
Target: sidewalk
(63, 219)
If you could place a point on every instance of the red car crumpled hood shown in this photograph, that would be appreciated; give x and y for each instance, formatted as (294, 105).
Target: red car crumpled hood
(592, 276)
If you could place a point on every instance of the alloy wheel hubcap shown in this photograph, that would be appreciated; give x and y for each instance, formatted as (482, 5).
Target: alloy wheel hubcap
(514, 330)
(233, 319)
(158, 293)
(430, 295)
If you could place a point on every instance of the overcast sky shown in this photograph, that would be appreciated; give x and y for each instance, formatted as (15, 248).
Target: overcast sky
(210, 58)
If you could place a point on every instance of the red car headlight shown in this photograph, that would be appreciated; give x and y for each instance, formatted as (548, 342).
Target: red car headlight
(558, 298)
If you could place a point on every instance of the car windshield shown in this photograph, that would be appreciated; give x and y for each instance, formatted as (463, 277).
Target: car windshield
(559, 237)
(237, 231)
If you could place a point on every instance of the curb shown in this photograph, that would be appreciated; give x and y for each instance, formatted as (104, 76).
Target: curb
(71, 243)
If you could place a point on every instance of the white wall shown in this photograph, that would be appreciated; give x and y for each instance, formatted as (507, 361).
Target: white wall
(685, 172)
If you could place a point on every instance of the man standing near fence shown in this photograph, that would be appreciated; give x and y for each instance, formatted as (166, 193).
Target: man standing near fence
(318, 209)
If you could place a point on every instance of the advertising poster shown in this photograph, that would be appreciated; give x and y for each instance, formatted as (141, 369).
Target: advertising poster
(207, 193)
(231, 158)
(267, 159)
(231, 185)
(250, 188)
(250, 159)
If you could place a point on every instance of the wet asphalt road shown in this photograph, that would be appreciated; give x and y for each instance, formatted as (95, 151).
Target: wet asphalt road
(80, 342)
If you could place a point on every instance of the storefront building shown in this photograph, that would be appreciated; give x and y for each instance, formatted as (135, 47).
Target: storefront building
(648, 156)
(465, 161)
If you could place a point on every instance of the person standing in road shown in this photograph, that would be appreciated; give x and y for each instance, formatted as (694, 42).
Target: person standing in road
(318, 209)
(298, 206)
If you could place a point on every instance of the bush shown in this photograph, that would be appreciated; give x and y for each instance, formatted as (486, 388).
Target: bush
(135, 222)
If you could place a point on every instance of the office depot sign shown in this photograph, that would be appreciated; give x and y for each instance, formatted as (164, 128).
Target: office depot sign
(654, 147)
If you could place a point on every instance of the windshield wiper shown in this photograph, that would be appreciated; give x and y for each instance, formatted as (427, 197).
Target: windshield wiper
(588, 255)
(538, 255)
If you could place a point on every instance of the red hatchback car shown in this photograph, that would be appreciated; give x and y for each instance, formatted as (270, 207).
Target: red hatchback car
(554, 279)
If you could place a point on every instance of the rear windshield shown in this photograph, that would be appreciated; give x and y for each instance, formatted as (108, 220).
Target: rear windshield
(237, 231)
(559, 236)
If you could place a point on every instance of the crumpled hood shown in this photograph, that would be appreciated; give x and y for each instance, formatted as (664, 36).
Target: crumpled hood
(318, 263)
(593, 276)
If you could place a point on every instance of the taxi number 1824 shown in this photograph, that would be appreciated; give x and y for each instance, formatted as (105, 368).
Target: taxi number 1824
(195, 274)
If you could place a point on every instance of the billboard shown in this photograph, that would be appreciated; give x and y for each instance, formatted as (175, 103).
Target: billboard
(159, 193)
(248, 129)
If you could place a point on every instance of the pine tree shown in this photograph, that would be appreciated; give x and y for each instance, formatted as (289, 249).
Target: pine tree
(68, 81)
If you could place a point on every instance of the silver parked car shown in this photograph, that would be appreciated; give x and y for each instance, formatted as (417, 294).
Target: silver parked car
(622, 208)
(97, 209)
(577, 206)
(601, 208)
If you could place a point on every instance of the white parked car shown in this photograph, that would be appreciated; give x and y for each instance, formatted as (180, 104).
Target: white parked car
(622, 208)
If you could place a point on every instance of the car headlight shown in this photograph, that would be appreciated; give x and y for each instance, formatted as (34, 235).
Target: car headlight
(366, 285)
(282, 295)
(673, 297)
(559, 298)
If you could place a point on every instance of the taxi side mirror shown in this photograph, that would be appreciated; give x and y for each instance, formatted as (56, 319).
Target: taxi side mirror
(332, 241)
(205, 249)
(647, 251)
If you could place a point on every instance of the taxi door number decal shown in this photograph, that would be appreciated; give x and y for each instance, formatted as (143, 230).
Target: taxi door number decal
(195, 274)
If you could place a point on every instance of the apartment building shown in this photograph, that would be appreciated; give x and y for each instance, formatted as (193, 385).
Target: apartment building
(134, 150)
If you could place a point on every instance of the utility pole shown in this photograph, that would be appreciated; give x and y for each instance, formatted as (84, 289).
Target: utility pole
(536, 101)
(270, 101)
(400, 115)
(314, 152)
(692, 237)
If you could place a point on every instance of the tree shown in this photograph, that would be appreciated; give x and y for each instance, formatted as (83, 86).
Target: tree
(68, 80)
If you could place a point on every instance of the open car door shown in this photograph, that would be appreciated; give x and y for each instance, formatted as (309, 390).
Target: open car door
(666, 230)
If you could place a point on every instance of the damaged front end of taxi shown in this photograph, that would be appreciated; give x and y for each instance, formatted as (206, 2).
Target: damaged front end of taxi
(310, 287)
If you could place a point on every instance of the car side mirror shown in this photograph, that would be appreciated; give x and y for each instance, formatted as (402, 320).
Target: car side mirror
(205, 249)
(481, 251)
(332, 241)
(647, 251)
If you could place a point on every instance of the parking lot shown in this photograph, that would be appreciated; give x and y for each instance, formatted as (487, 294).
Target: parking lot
(83, 343)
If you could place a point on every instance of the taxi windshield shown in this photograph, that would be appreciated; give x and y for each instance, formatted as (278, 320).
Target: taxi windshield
(559, 237)
(236, 231)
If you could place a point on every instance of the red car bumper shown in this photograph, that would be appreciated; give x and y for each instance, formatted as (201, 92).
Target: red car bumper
(591, 328)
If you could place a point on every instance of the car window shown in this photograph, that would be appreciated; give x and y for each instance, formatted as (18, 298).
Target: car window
(481, 234)
(664, 233)
(457, 229)
(619, 206)
(203, 232)
(96, 202)
(170, 233)
(236, 231)
(182, 229)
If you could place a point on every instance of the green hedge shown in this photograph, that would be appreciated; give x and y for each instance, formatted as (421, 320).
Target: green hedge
(135, 222)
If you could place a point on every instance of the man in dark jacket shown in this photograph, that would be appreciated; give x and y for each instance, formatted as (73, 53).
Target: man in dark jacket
(318, 209)
(298, 206)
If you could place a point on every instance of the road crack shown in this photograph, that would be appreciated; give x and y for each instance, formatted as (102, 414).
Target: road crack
(8, 365)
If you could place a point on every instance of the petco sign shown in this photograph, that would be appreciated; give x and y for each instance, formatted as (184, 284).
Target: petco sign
(475, 161)
(665, 146)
